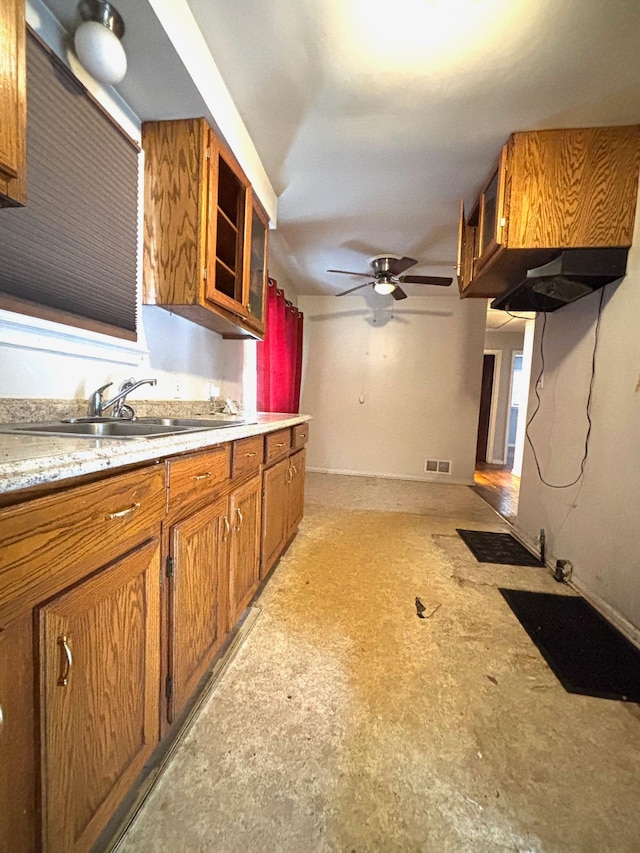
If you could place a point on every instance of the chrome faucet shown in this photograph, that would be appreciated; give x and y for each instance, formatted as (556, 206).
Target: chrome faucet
(97, 405)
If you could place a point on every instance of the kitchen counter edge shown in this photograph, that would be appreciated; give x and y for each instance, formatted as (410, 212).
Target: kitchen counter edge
(30, 461)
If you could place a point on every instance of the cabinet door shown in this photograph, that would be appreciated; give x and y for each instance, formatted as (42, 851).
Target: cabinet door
(99, 695)
(256, 265)
(13, 104)
(244, 575)
(229, 221)
(274, 513)
(492, 222)
(197, 617)
(17, 750)
(296, 491)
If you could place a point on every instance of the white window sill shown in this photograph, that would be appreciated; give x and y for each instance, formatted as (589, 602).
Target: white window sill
(17, 330)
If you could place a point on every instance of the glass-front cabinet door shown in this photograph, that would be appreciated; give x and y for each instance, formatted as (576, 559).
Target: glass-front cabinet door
(492, 220)
(229, 194)
(256, 262)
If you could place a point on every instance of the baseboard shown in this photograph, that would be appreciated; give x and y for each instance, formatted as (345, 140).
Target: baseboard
(441, 478)
(623, 625)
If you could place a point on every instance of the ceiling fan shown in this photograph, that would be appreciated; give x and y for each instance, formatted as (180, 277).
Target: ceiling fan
(386, 276)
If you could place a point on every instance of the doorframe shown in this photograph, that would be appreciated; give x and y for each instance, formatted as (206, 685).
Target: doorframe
(514, 354)
(493, 411)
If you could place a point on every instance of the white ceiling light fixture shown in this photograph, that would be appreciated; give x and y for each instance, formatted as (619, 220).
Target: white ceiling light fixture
(97, 41)
(384, 285)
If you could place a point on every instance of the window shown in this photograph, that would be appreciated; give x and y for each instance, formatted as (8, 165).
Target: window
(70, 254)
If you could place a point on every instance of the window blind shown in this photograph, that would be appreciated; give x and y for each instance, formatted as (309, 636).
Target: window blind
(73, 247)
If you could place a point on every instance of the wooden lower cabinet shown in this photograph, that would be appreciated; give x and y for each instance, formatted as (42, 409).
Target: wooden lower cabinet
(17, 746)
(244, 564)
(197, 565)
(98, 697)
(282, 506)
(274, 513)
(295, 508)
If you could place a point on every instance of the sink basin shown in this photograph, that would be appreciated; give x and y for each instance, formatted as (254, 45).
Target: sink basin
(113, 428)
(192, 423)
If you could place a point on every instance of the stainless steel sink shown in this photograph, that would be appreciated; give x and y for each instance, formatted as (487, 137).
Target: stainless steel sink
(193, 423)
(113, 428)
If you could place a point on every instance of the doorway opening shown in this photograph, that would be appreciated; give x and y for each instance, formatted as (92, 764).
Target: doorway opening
(503, 401)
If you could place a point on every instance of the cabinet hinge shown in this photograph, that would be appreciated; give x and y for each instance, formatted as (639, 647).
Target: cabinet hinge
(169, 567)
(168, 687)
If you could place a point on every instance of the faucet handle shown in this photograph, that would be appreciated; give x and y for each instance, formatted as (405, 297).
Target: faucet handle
(95, 401)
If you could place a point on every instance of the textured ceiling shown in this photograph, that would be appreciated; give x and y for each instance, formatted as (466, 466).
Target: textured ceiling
(374, 118)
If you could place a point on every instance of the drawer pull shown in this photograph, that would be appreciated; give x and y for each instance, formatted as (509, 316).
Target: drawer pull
(282, 444)
(240, 519)
(67, 662)
(204, 476)
(250, 455)
(295, 471)
(302, 435)
(227, 529)
(123, 513)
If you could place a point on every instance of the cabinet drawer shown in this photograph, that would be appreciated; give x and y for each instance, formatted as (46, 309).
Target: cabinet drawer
(246, 455)
(276, 445)
(52, 542)
(300, 435)
(190, 478)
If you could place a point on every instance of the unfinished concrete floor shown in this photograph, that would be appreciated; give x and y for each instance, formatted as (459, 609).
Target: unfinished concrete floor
(345, 723)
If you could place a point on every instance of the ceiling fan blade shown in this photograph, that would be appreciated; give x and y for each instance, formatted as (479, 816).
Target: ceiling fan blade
(425, 279)
(357, 287)
(400, 265)
(346, 272)
(398, 293)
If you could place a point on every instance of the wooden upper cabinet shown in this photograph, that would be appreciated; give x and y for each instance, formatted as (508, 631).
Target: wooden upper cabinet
(199, 212)
(552, 190)
(13, 104)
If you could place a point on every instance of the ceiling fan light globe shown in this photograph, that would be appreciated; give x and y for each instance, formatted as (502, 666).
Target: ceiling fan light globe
(384, 287)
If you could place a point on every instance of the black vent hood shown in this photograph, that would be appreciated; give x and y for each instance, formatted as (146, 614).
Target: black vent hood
(574, 273)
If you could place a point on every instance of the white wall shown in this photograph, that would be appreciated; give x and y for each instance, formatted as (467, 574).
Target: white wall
(391, 384)
(506, 343)
(594, 524)
(183, 357)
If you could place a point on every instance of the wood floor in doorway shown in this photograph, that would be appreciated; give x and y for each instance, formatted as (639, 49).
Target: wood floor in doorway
(499, 488)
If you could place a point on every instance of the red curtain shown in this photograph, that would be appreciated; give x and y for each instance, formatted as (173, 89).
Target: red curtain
(280, 355)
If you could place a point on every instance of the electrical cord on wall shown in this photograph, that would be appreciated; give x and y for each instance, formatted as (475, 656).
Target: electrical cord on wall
(589, 398)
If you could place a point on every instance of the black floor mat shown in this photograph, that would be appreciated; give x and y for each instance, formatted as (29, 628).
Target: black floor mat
(586, 653)
(497, 548)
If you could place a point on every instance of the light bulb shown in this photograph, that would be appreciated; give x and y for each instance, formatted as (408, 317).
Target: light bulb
(384, 286)
(97, 41)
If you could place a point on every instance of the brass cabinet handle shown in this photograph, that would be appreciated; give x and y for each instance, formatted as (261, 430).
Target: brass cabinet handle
(67, 663)
(289, 474)
(240, 519)
(1, 718)
(302, 435)
(204, 476)
(123, 512)
(295, 470)
(282, 444)
(227, 529)
(250, 455)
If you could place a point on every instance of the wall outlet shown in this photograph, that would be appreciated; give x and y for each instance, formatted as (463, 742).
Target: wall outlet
(177, 392)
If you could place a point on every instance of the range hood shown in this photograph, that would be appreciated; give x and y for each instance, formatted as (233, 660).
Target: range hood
(572, 274)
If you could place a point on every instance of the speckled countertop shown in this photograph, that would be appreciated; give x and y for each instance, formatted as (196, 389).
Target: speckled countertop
(27, 461)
